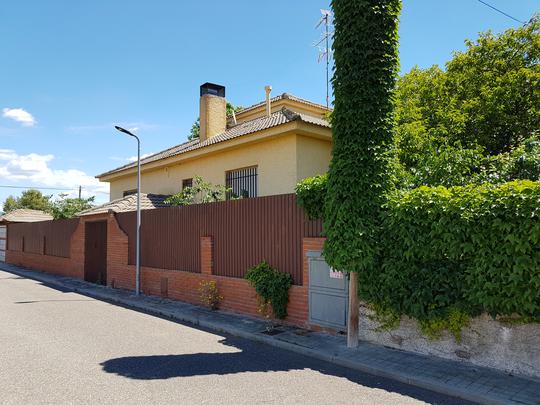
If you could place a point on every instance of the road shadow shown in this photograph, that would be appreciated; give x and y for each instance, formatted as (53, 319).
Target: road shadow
(252, 357)
(40, 301)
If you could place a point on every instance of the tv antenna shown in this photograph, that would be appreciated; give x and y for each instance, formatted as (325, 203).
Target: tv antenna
(325, 53)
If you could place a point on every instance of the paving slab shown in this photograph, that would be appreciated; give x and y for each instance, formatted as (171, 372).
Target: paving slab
(461, 380)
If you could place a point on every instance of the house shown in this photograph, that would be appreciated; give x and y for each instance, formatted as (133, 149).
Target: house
(15, 216)
(265, 149)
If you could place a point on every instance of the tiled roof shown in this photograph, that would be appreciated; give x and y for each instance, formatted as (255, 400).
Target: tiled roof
(25, 215)
(283, 96)
(282, 116)
(129, 203)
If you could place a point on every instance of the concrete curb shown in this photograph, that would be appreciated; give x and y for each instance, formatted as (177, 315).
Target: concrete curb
(132, 302)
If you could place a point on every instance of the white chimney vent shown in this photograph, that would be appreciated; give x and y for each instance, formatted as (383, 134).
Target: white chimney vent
(268, 89)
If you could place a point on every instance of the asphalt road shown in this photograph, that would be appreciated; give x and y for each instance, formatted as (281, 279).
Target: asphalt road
(59, 347)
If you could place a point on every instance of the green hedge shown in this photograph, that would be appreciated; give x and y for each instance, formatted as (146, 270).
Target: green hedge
(451, 253)
(310, 195)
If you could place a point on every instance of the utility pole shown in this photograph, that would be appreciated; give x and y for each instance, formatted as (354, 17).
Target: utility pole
(80, 189)
(354, 311)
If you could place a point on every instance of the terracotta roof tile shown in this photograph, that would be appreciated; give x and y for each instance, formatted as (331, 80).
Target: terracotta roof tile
(244, 128)
(26, 215)
(283, 96)
(129, 203)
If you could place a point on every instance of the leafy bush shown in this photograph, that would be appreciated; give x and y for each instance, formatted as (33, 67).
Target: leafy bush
(447, 254)
(465, 249)
(210, 296)
(65, 207)
(310, 195)
(272, 286)
(200, 192)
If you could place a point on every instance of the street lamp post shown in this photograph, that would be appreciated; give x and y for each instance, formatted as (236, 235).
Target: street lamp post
(138, 257)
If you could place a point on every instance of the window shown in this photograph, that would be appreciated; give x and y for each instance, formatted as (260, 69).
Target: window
(243, 182)
(187, 183)
(130, 192)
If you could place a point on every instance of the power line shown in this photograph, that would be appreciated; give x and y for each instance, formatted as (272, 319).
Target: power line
(502, 12)
(39, 188)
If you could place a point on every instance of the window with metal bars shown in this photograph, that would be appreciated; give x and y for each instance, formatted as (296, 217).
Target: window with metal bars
(187, 183)
(242, 182)
(129, 192)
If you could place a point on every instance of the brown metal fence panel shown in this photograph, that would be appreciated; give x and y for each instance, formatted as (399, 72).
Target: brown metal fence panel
(58, 236)
(245, 232)
(313, 228)
(15, 235)
(52, 238)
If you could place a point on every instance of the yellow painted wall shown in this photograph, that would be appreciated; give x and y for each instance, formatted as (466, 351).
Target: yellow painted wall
(282, 161)
(313, 156)
(276, 161)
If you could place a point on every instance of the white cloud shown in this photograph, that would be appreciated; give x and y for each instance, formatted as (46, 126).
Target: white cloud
(134, 158)
(34, 170)
(19, 115)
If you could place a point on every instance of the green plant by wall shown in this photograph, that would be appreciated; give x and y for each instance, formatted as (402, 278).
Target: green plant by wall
(366, 66)
(210, 296)
(272, 287)
(200, 192)
(453, 322)
(452, 253)
(310, 195)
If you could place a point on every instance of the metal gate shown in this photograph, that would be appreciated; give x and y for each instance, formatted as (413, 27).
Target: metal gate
(95, 252)
(3, 242)
(328, 294)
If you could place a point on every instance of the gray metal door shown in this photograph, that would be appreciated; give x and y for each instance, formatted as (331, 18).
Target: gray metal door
(328, 294)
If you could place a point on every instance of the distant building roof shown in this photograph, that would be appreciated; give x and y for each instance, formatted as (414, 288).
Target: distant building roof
(282, 116)
(129, 203)
(283, 96)
(25, 215)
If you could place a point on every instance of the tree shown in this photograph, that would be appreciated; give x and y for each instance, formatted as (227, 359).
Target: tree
(196, 127)
(65, 208)
(488, 96)
(10, 204)
(366, 66)
(468, 123)
(195, 130)
(30, 199)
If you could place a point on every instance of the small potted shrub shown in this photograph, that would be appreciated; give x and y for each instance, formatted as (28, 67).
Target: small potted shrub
(210, 296)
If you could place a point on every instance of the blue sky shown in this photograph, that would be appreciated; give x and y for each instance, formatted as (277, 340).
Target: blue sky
(70, 70)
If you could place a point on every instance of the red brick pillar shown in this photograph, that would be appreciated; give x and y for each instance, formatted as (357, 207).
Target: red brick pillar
(207, 255)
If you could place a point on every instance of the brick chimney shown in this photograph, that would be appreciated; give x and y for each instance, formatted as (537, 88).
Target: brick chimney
(213, 111)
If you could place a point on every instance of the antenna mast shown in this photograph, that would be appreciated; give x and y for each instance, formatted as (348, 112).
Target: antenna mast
(325, 53)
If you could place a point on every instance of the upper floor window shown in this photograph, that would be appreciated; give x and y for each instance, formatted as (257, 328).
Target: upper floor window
(242, 182)
(129, 192)
(187, 183)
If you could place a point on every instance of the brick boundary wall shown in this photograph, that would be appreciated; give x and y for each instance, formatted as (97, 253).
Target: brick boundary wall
(61, 266)
(238, 295)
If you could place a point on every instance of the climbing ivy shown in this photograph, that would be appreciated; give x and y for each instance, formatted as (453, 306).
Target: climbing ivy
(310, 195)
(272, 286)
(366, 66)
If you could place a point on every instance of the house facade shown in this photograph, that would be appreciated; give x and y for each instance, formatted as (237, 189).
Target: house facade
(262, 150)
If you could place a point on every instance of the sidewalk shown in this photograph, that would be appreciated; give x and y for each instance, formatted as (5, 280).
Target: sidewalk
(452, 378)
